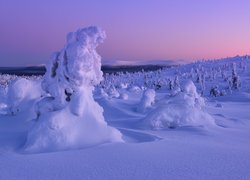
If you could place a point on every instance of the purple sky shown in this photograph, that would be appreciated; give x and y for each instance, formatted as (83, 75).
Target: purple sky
(137, 29)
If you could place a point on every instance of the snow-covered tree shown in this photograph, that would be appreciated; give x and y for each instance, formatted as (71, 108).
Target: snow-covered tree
(69, 117)
(235, 78)
(214, 91)
(147, 100)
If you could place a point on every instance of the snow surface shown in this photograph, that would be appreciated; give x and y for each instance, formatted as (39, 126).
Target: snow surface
(202, 136)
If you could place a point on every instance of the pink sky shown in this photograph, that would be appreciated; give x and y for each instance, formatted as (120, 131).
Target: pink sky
(136, 29)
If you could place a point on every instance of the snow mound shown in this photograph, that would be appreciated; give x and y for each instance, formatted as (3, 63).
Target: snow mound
(184, 109)
(69, 117)
(22, 94)
(62, 130)
(124, 96)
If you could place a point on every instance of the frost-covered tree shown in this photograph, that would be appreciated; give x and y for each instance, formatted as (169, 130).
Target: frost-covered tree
(147, 100)
(202, 84)
(214, 91)
(235, 78)
(176, 83)
(69, 117)
(171, 84)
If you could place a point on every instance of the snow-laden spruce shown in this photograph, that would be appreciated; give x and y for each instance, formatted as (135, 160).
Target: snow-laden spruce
(184, 109)
(147, 100)
(69, 117)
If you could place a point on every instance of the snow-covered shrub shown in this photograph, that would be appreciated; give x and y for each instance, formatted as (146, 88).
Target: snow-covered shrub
(186, 108)
(69, 117)
(147, 100)
(214, 91)
(223, 92)
(219, 105)
(113, 93)
(22, 94)
(135, 89)
(123, 85)
(177, 83)
(124, 96)
(171, 84)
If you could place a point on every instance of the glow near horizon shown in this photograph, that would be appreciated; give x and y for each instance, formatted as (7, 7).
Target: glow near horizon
(136, 29)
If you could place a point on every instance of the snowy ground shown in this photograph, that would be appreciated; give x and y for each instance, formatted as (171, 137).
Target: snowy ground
(221, 151)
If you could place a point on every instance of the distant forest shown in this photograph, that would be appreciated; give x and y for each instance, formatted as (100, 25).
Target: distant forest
(40, 70)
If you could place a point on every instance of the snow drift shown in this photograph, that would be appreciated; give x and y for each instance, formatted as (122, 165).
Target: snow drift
(69, 117)
(185, 108)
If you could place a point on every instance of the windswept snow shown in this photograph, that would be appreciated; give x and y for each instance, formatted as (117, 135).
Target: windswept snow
(185, 122)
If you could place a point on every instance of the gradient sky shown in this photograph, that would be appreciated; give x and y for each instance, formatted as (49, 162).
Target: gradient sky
(31, 30)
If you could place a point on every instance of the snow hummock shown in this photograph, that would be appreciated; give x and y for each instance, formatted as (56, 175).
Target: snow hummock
(184, 109)
(22, 94)
(68, 117)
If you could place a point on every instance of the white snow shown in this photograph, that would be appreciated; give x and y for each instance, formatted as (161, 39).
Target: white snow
(184, 109)
(69, 128)
(22, 94)
(68, 116)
